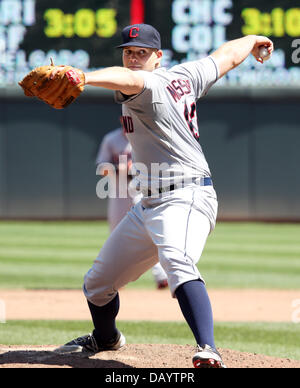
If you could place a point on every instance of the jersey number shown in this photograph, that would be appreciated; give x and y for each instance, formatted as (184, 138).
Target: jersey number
(189, 116)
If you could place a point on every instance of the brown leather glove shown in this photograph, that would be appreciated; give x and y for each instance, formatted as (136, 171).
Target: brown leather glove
(58, 86)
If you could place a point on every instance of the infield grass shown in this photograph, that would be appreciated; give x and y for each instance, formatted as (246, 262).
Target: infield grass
(56, 255)
(273, 339)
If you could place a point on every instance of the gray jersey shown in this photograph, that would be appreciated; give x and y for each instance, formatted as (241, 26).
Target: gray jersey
(161, 122)
(113, 145)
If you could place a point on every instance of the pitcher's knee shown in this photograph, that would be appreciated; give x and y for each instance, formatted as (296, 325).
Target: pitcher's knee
(178, 268)
(97, 290)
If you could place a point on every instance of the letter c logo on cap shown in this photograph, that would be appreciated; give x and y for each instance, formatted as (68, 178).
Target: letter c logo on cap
(133, 33)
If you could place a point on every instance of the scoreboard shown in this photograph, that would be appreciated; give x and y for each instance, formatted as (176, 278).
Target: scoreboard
(84, 33)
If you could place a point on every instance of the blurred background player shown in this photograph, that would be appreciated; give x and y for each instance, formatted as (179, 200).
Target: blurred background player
(114, 145)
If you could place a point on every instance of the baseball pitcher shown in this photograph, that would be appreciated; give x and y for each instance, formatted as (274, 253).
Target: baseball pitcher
(179, 206)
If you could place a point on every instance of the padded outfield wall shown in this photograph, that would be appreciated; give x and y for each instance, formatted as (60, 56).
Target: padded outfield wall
(47, 157)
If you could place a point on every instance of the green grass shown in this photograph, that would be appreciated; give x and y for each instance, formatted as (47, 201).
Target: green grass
(237, 255)
(253, 255)
(273, 339)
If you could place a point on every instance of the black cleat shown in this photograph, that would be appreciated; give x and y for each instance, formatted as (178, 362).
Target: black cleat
(88, 344)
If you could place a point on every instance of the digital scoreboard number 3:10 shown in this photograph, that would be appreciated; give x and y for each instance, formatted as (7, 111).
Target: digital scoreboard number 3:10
(83, 24)
(277, 23)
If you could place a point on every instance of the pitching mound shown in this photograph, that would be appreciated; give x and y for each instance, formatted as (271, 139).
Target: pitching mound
(131, 356)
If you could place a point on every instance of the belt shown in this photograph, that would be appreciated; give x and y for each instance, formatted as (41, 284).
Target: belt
(207, 181)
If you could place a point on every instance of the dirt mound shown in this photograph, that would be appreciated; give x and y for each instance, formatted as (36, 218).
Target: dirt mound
(131, 356)
(246, 305)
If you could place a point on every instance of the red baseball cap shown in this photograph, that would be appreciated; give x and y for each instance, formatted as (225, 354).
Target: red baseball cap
(141, 35)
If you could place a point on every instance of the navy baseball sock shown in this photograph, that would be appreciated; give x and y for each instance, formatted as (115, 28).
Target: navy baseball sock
(196, 308)
(104, 319)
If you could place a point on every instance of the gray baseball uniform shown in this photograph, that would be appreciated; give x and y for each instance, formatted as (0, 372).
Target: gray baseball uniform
(172, 226)
(112, 146)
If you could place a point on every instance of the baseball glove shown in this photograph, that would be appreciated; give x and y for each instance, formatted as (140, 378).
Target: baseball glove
(58, 86)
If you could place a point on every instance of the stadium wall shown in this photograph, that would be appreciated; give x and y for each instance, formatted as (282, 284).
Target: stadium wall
(47, 157)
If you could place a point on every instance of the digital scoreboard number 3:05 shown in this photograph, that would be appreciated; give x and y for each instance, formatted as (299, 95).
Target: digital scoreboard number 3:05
(84, 23)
